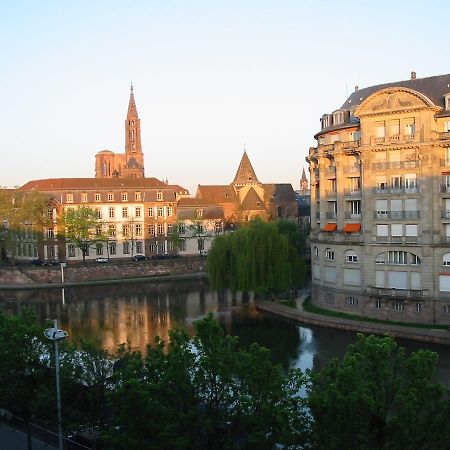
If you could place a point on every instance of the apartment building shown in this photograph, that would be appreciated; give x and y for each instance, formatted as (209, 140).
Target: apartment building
(380, 203)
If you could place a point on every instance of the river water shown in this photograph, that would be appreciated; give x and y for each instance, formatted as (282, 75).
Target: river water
(137, 313)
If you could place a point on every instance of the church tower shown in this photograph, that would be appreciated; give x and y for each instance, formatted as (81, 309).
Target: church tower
(131, 163)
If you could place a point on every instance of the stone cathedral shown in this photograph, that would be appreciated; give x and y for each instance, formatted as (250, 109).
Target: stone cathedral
(131, 163)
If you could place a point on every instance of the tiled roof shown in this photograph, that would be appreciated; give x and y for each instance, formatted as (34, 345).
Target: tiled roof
(94, 183)
(279, 192)
(195, 202)
(252, 201)
(245, 173)
(217, 193)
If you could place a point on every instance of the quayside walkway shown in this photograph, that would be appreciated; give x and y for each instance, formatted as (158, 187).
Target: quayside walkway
(435, 335)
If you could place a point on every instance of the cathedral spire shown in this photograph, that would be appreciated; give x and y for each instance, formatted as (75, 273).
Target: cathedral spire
(132, 128)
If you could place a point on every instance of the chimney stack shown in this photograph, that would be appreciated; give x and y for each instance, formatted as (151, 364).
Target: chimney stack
(356, 88)
(413, 75)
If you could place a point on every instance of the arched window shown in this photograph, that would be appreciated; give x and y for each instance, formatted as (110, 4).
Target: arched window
(351, 256)
(397, 257)
(338, 118)
(316, 252)
(326, 120)
(446, 259)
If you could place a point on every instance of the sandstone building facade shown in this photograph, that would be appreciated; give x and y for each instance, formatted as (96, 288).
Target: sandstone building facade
(380, 203)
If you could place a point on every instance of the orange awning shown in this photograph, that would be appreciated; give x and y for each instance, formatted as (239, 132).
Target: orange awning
(352, 227)
(330, 227)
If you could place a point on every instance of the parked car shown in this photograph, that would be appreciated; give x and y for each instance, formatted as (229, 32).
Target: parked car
(102, 259)
(54, 262)
(39, 262)
(140, 258)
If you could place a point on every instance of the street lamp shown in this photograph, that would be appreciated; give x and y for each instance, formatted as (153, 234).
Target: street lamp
(54, 334)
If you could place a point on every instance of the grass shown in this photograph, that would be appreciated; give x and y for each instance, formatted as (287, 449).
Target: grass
(289, 303)
(307, 306)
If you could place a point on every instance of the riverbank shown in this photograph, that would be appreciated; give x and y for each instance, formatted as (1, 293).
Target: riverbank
(299, 315)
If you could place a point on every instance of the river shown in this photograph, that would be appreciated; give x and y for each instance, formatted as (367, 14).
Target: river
(137, 313)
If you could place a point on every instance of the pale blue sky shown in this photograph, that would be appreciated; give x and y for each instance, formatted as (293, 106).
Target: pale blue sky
(209, 76)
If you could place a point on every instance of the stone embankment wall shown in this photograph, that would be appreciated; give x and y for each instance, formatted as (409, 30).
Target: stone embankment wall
(28, 274)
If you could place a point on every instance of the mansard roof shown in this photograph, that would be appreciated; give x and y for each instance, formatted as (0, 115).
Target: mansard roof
(216, 193)
(245, 173)
(432, 87)
(95, 183)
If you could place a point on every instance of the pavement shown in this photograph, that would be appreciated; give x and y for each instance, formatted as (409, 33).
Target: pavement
(14, 439)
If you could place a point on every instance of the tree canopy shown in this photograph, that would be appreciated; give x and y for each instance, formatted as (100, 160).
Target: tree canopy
(256, 258)
(83, 228)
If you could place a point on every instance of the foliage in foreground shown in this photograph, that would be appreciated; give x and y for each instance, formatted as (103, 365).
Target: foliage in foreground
(262, 257)
(208, 393)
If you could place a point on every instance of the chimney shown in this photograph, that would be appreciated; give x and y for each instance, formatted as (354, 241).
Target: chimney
(356, 88)
(413, 75)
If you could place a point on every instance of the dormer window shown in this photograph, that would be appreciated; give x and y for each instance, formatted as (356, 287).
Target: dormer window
(338, 118)
(326, 121)
(447, 101)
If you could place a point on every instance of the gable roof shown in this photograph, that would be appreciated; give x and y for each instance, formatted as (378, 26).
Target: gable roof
(252, 201)
(216, 193)
(245, 173)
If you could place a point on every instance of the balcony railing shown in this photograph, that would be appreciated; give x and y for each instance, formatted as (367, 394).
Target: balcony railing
(413, 164)
(393, 139)
(445, 214)
(444, 135)
(350, 215)
(397, 190)
(349, 192)
(353, 168)
(393, 292)
(396, 215)
(350, 144)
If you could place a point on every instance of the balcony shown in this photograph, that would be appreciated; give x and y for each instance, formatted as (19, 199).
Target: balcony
(350, 144)
(444, 135)
(445, 188)
(383, 215)
(383, 190)
(394, 292)
(353, 168)
(395, 139)
(445, 214)
(349, 192)
(413, 164)
(350, 215)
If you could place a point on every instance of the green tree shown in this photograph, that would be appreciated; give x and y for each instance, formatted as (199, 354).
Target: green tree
(22, 214)
(206, 394)
(255, 258)
(24, 372)
(377, 397)
(83, 228)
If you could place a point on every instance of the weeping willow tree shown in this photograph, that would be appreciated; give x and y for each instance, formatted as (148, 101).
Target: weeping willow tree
(256, 258)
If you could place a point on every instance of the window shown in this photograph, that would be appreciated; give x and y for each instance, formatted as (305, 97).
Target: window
(139, 247)
(152, 248)
(99, 249)
(159, 196)
(161, 248)
(378, 303)
(98, 197)
(160, 211)
(329, 254)
(84, 197)
(182, 246)
(381, 207)
(383, 230)
(98, 230)
(71, 250)
(50, 233)
(316, 252)
(111, 230)
(182, 228)
(160, 228)
(110, 197)
(351, 256)
(124, 197)
(126, 248)
(112, 248)
(396, 182)
(125, 212)
(418, 307)
(410, 181)
(151, 229)
(446, 259)
(397, 257)
(399, 305)
(338, 117)
(99, 213)
(200, 244)
(447, 101)
(380, 130)
(138, 229)
(218, 227)
(355, 207)
(447, 126)
(69, 198)
(410, 127)
(170, 211)
(138, 211)
(199, 212)
(352, 301)
(150, 211)
(381, 183)
(137, 196)
(326, 120)
(329, 298)
(169, 228)
(111, 213)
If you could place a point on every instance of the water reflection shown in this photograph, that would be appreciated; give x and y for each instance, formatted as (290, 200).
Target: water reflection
(137, 313)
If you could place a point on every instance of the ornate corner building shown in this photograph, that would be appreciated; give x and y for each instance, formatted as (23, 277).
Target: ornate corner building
(380, 203)
(131, 163)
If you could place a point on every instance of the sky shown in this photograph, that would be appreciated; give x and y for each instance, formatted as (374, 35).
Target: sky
(210, 79)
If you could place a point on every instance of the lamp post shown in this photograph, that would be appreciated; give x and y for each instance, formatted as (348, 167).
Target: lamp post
(54, 334)
(62, 281)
